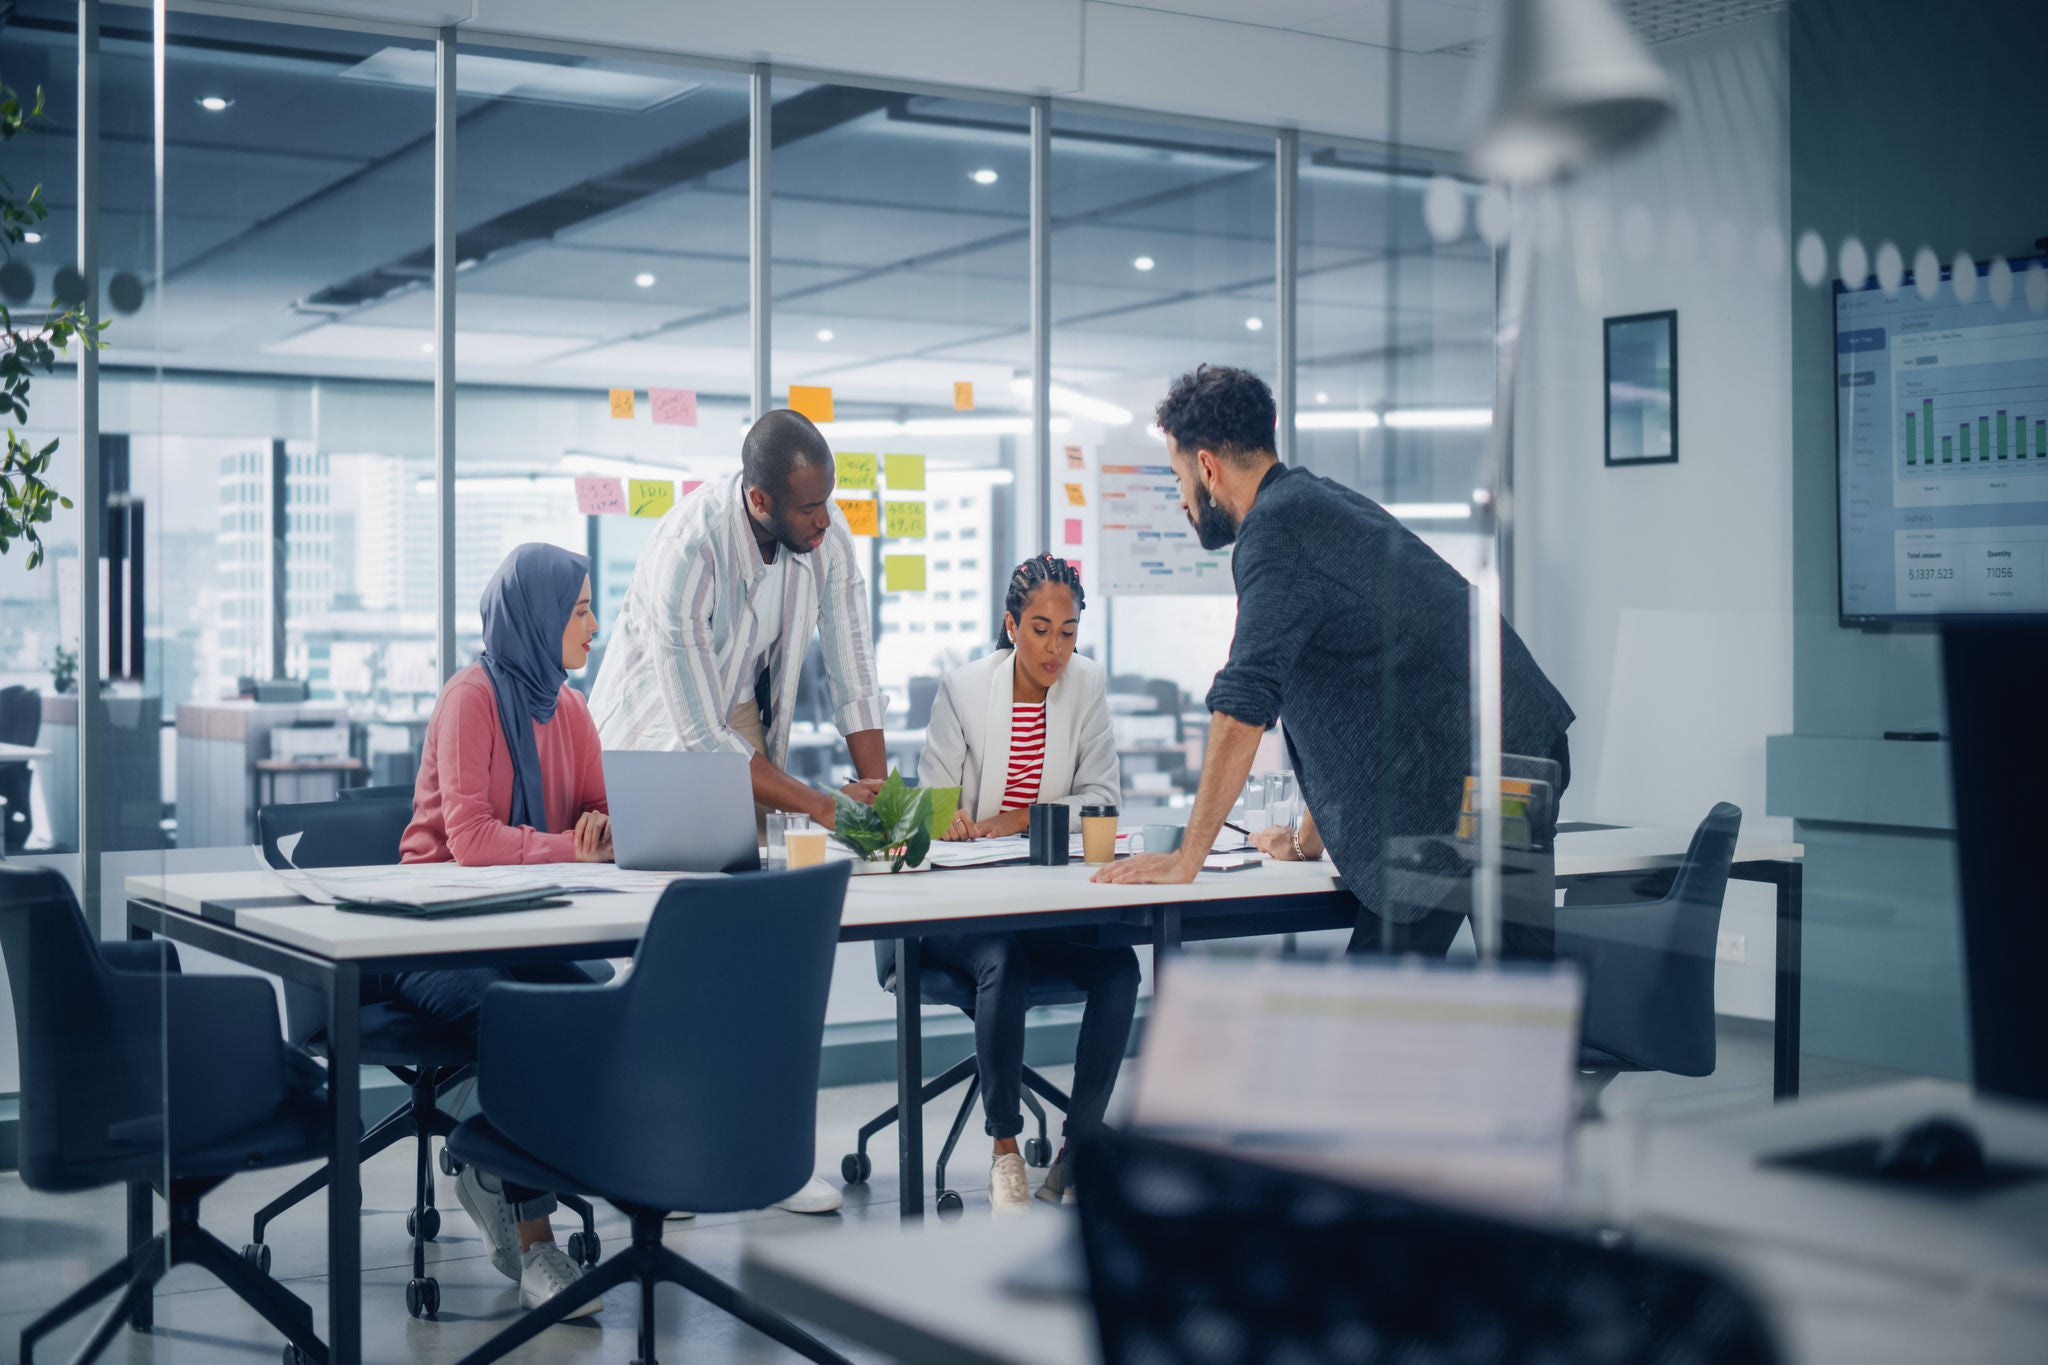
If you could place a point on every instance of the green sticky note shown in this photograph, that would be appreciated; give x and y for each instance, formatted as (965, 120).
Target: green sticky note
(906, 473)
(903, 573)
(651, 497)
(904, 519)
(856, 471)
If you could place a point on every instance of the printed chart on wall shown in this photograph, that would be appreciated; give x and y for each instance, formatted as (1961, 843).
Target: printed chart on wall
(1146, 543)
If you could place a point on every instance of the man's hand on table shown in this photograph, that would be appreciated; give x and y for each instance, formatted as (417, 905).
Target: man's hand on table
(1156, 869)
(863, 790)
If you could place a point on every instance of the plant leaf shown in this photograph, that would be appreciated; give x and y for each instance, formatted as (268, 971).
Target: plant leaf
(915, 851)
(944, 805)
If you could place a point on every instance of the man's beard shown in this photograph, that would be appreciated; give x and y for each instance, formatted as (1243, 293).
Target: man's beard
(787, 536)
(1213, 526)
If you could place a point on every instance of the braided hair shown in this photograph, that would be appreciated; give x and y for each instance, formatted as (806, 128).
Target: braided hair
(1032, 575)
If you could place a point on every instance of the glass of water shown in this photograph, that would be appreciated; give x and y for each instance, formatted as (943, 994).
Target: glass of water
(1283, 800)
(780, 822)
(1256, 795)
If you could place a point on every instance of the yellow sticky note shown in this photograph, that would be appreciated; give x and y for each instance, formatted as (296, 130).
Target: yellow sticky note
(1075, 497)
(906, 473)
(860, 515)
(622, 402)
(903, 573)
(813, 402)
(904, 519)
(856, 471)
(963, 396)
(651, 497)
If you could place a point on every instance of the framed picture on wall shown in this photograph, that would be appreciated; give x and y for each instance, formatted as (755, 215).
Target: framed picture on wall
(1642, 388)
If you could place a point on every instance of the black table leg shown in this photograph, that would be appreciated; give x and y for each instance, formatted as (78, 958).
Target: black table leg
(1165, 938)
(141, 1210)
(1791, 909)
(344, 1186)
(910, 1076)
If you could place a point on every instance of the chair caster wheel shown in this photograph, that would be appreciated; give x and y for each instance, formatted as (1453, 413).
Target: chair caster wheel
(449, 1165)
(585, 1251)
(951, 1205)
(423, 1297)
(424, 1224)
(258, 1255)
(1037, 1152)
(855, 1168)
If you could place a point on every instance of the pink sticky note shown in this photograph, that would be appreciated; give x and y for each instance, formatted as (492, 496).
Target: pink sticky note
(598, 497)
(674, 407)
(1075, 565)
(691, 485)
(1073, 530)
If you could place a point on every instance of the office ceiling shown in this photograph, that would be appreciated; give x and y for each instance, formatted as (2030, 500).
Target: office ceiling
(297, 227)
(1458, 27)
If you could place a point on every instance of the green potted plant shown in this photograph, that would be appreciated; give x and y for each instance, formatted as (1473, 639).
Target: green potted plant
(64, 670)
(897, 831)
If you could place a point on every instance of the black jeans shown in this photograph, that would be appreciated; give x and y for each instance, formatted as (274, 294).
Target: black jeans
(1002, 966)
(454, 996)
(1529, 936)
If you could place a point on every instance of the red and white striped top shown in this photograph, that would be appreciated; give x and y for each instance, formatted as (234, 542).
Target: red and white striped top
(1027, 755)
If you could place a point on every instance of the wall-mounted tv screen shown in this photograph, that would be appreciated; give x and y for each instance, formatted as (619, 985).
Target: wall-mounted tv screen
(1941, 440)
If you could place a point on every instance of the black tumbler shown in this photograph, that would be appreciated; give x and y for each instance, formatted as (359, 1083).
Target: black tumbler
(1049, 845)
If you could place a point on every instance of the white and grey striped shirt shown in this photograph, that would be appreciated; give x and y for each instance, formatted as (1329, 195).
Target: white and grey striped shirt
(685, 633)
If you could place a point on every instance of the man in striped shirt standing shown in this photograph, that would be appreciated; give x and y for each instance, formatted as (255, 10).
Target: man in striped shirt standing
(709, 645)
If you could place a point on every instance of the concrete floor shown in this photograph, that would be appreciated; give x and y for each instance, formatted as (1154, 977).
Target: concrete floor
(50, 1244)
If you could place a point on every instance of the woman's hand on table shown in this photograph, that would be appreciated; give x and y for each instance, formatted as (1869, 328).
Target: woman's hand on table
(962, 830)
(593, 837)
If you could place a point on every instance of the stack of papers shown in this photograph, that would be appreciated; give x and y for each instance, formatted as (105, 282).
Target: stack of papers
(430, 883)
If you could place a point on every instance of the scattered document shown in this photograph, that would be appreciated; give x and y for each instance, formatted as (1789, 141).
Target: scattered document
(426, 883)
(1450, 1081)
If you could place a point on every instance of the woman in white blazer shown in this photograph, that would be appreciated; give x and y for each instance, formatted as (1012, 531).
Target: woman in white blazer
(1030, 723)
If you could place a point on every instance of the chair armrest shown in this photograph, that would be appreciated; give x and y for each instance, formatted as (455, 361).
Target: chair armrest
(155, 956)
(222, 1056)
(540, 1053)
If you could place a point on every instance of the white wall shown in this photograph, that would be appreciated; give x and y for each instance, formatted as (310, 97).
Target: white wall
(1659, 598)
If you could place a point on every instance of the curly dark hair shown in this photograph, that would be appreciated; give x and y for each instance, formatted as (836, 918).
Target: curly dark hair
(1222, 409)
(1032, 575)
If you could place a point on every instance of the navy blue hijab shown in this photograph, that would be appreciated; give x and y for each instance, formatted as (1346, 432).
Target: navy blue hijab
(527, 606)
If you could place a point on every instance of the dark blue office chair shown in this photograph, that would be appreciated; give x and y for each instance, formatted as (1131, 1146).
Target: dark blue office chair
(377, 793)
(707, 1098)
(942, 985)
(1646, 945)
(429, 1056)
(132, 1073)
(21, 722)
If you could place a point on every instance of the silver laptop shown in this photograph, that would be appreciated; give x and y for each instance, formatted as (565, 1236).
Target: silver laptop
(677, 812)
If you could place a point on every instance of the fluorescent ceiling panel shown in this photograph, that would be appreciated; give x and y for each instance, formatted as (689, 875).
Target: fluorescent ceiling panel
(587, 87)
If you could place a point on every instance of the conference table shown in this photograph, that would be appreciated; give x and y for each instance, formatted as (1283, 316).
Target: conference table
(252, 917)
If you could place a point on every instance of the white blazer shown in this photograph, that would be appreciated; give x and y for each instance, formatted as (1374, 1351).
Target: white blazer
(968, 743)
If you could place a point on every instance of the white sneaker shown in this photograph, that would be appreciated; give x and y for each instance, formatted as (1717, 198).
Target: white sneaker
(815, 1197)
(488, 1209)
(549, 1271)
(1009, 1188)
(1058, 1187)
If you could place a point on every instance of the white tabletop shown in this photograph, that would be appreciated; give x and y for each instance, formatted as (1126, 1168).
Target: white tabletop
(17, 753)
(257, 902)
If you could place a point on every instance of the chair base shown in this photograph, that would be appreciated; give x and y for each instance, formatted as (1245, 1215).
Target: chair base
(648, 1263)
(183, 1242)
(421, 1118)
(855, 1167)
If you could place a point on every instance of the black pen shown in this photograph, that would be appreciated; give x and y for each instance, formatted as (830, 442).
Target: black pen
(1239, 828)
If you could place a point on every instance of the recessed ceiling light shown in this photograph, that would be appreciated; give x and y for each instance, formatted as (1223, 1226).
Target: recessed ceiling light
(31, 237)
(984, 176)
(824, 334)
(644, 280)
(1322, 398)
(1254, 324)
(1143, 263)
(213, 104)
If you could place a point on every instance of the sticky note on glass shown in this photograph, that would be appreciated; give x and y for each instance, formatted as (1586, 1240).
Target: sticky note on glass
(904, 519)
(1075, 497)
(860, 515)
(673, 407)
(1075, 565)
(856, 471)
(903, 573)
(1073, 530)
(651, 497)
(905, 473)
(622, 403)
(813, 402)
(1074, 460)
(597, 497)
(963, 396)
(691, 485)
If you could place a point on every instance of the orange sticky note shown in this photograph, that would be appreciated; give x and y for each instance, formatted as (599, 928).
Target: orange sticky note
(622, 403)
(860, 515)
(963, 396)
(813, 402)
(1075, 497)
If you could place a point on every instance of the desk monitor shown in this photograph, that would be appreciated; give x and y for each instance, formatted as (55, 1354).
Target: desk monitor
(1998, 760)
(675, 812)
